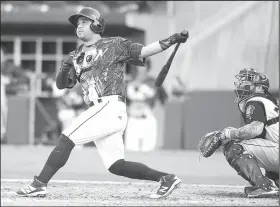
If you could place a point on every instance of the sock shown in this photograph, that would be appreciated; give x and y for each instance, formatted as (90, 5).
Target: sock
(135, 170)
(57, 159)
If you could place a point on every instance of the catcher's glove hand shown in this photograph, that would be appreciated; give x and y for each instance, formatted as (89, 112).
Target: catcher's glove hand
(210, 143)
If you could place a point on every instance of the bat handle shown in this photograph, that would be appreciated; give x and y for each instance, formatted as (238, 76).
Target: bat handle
(174, 52)
(177, 45)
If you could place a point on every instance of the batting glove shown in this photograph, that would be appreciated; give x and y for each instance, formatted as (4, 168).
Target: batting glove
(175, 38)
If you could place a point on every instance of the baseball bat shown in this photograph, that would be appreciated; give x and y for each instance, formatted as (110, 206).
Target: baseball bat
(164, 71)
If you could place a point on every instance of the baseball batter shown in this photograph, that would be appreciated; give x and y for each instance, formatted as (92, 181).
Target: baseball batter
(255, 145)
(98, 66)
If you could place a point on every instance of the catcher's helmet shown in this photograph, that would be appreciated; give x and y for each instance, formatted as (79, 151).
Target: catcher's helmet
(248, 77)
(97, 25)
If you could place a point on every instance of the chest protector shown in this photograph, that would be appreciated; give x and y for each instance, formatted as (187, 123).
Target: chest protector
(272, 117)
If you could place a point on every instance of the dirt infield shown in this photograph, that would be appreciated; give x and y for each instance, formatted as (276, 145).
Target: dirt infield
(67, 193)
(84, 181)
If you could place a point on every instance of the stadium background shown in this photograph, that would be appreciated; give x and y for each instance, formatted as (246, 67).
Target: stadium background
(224, 38)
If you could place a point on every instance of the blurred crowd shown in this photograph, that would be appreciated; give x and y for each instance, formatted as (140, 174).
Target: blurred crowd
(14, 81)
(142, 99)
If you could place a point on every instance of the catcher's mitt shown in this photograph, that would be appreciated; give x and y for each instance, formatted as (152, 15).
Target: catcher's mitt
(210, 143)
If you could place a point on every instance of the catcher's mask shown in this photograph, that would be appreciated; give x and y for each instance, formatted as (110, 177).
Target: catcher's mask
(98, 23)
(247, 80)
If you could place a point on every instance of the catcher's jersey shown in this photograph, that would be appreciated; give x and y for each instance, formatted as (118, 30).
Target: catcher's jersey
(100, 67)
(262, 109)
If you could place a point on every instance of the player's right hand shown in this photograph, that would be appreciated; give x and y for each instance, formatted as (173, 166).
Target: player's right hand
(68, 61)
(179, 38)
(226, 132)
(173, 39)
(67, 64)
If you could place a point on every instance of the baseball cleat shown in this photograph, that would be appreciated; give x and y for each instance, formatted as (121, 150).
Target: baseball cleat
(35, 189)
(249, 189)
(257, 192)
(168, 183)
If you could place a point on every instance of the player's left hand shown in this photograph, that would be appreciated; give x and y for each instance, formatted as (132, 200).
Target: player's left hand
(210, 143)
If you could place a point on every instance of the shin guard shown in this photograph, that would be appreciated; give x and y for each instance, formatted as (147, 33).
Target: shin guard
(246, 165)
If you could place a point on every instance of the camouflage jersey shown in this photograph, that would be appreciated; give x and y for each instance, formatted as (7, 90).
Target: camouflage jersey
(100, 67)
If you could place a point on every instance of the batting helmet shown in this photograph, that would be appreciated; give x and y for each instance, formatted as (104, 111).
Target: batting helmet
(97, 25)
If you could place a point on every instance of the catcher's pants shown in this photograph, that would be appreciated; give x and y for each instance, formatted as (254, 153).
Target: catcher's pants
(265, 151)
(103, 123)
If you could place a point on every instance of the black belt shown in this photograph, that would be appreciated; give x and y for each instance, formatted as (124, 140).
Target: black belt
(272, 121)
(120, 98)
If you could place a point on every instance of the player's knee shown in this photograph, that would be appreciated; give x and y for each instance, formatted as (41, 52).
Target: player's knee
(61, 152)
(63, 148)
(65, 141)
(232, 152)
(117, 167)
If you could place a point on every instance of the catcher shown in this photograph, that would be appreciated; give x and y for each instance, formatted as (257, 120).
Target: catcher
(254, 146)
